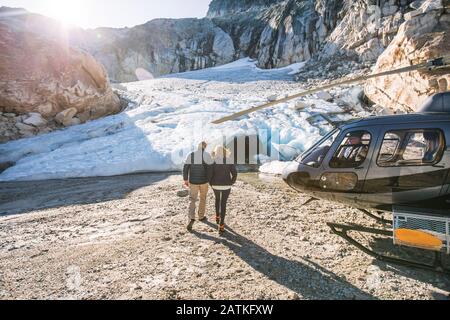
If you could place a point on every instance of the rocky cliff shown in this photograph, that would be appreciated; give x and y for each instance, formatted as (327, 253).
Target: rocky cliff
(423, 36)
(159, 47)
(275, 32)
(220, 8)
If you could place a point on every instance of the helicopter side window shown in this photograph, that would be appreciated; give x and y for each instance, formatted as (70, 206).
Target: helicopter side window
(353, 150)
(411, 148)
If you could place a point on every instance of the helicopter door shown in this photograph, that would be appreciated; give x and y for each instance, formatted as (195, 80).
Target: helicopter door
(346, 167)
(407, 168)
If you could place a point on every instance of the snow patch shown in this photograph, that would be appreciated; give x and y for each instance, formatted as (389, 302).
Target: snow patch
(296, 67)
(274, 167)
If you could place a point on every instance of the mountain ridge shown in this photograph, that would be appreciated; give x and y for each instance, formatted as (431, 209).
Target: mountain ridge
(275, 32)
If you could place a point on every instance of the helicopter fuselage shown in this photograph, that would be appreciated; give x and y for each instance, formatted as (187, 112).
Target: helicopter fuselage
(380, 162)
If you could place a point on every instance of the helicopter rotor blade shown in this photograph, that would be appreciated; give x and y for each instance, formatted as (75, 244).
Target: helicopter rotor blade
(437, 63)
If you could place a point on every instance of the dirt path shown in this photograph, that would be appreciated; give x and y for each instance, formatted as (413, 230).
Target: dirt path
(125, 238)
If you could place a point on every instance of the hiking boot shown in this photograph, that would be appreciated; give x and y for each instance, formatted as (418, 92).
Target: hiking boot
(217, 219)
(190, 225)
(221, 228)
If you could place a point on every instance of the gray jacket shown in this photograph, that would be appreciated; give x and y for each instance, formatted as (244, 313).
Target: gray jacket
(197, 168)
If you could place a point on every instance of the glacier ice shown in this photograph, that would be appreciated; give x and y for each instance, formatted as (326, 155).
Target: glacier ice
(171, 116)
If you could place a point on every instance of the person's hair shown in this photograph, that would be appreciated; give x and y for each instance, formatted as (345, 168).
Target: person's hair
(433, 136)
(221, 152)
(355, 138)
(202, 146)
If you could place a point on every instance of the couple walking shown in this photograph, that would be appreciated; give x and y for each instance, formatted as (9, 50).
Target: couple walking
(202, 170)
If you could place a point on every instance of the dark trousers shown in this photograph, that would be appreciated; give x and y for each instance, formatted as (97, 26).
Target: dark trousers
(221, 203)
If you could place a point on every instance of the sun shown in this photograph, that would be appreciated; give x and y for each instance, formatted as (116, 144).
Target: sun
(69, 12)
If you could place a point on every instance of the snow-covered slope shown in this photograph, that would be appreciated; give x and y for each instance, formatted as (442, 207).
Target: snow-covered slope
(171, 117)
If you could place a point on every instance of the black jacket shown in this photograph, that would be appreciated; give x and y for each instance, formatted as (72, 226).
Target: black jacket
(197, 168)
(223, 174)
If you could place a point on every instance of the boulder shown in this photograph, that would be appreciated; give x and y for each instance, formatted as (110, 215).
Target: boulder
(84, 116)
(300, 105)
(5, 165)
(24, 128)
(75, 121)
(65, 117)
(423, 36)
(272, 98)
(46, 109)
(46, 76)
(324, 96)
(35, 119)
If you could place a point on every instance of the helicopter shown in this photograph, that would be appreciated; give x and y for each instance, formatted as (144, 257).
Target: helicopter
(398, 164)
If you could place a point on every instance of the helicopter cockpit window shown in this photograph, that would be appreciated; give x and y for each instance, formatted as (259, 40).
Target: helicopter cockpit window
(315, 156)
(391, 143)
(353, 150)
(411, 148)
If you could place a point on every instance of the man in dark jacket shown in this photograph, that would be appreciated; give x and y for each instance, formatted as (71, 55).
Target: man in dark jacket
(196, 175)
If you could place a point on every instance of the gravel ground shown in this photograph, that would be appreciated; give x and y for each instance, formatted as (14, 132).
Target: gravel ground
(125, 238)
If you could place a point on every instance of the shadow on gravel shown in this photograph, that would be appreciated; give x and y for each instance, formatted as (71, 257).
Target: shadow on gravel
(438, 280)
(24, 197)
(309, 281)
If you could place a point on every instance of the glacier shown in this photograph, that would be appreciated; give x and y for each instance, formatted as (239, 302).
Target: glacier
(168, 118)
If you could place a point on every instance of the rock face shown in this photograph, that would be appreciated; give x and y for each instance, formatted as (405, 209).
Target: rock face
(218, 8)
(366, 28)
(40, 78)
(159, 47)
(423, 36)
(276, 33)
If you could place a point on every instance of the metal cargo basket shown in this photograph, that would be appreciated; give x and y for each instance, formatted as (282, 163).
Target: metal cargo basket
(421, 230)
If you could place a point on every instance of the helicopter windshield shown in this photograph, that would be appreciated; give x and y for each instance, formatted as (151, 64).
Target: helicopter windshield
(316, 154)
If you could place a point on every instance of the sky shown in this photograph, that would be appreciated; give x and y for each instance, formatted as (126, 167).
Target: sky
(112, 13)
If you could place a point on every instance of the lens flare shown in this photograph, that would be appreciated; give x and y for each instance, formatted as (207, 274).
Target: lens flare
(68, 12)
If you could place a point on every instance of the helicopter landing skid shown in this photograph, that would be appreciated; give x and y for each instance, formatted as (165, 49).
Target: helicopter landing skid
(342, 231)
(379, 219)
(310, 200)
